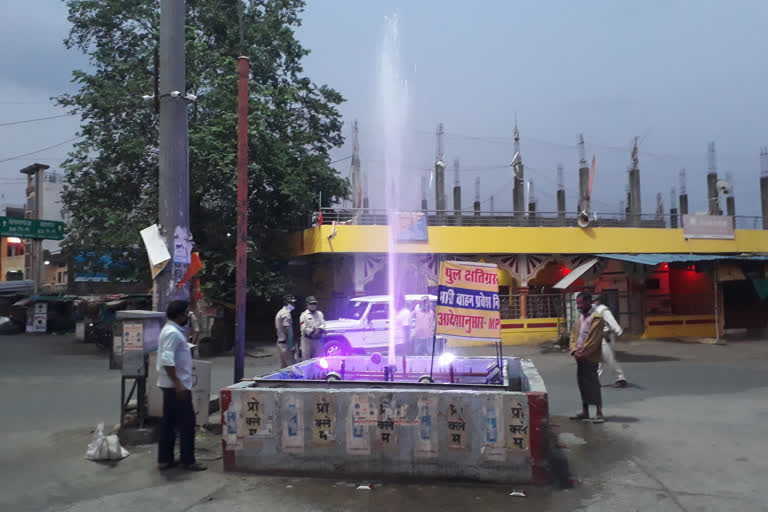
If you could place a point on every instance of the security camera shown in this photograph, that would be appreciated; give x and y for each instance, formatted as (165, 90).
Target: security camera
(190, 97)
(175, 94)
(148, 97)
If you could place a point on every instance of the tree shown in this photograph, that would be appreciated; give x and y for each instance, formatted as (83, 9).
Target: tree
(112, 174)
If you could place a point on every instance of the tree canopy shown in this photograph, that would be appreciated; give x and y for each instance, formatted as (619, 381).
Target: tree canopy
(112, 173)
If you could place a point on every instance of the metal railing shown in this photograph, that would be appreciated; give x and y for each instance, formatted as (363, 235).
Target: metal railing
(373, 217)
(536, 306)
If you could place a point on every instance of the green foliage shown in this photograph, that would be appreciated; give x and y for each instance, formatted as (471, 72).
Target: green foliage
(111, 190)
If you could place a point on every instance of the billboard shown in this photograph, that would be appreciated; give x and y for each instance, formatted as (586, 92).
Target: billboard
(468, 301)
(708, 226)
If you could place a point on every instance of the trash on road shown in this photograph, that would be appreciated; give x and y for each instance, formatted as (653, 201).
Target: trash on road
(568, 440)
(105, 447)
(518, 494)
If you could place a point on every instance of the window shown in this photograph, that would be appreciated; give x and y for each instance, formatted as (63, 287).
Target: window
(355, 310)
(379, 312)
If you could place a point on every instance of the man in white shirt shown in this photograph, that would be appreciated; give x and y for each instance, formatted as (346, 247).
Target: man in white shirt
(609, 367)
(402, 325)
(174, 378)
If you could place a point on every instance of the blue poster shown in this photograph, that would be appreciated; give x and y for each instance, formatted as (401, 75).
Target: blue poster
(412, 227)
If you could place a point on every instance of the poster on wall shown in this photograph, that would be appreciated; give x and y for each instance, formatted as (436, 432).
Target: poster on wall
(412, 227)
(468, 301)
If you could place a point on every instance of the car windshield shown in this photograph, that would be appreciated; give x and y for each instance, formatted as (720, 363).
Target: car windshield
(355, 310)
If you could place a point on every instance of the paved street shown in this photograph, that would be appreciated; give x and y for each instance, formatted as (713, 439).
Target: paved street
(688, 434)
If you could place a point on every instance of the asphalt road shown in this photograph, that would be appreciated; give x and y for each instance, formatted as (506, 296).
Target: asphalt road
(688, 434)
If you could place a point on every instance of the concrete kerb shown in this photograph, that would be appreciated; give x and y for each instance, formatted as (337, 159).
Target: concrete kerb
(496, 436)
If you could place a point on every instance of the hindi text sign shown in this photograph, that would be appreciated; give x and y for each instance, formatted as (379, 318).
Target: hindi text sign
(468, 301)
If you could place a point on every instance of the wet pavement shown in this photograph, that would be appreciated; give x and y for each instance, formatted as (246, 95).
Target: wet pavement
(688, 434)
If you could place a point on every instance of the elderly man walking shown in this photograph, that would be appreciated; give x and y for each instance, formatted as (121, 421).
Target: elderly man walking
(609, 369)
(586, 340)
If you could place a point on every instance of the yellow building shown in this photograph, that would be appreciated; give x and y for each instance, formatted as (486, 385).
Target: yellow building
(661, 282)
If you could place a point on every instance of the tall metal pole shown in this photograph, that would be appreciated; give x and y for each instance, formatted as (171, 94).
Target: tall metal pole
(173, 186)
(243, 65)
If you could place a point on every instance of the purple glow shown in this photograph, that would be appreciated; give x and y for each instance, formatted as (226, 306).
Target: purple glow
(446, 358)
(323, 364)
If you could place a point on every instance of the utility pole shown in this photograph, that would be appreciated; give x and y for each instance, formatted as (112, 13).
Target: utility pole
(357, 186)
(34, 247)
(243, 64)
(173, 186)
(440, 171)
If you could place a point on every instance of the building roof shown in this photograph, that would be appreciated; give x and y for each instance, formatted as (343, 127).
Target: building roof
(658, 258)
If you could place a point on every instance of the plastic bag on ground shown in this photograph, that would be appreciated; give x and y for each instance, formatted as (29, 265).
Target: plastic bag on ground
(105, 447)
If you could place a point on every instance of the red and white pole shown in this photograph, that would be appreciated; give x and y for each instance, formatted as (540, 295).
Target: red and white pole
(243, 64)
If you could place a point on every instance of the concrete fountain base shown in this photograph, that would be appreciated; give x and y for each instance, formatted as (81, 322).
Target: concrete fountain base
(295, 422)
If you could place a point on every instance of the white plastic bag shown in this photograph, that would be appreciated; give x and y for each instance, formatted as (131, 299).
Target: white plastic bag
(105, 447)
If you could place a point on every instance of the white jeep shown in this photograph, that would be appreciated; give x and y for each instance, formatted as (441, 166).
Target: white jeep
(364, 327)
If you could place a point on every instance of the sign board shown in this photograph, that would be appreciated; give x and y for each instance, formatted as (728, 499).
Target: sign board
(468, 301)
(32, 228)
(411, 227)
(708, 226)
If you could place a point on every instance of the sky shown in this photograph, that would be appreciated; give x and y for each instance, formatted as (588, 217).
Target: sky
(676, 74)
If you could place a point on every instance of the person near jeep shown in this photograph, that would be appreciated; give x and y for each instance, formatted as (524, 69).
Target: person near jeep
(312, 324)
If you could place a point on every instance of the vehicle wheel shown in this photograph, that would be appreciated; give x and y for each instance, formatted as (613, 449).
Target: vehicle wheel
(336, 347)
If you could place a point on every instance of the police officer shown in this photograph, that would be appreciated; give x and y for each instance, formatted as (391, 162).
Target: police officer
(312, 325)
(286, 343)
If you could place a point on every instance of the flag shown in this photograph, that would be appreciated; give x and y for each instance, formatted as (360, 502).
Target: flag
(195, 265)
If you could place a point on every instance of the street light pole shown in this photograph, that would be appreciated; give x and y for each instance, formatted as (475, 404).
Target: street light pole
(173, 186)
(243, 64)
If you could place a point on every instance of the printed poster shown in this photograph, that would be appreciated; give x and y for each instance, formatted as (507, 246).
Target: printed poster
(468, 301)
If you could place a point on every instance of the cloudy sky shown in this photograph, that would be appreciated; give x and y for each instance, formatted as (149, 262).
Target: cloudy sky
(677, 74)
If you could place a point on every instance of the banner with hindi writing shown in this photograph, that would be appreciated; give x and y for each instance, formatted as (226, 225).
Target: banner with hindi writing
(468, 301)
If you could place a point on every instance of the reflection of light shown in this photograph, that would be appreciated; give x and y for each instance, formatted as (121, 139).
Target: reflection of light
(323, 364)
(665, 266)
(46, 262)
(446, 358)
(14, 240)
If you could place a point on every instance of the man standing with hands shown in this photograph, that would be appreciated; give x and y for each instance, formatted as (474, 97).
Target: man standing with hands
(286, 344)
(174, 377)
(586, 341)
(312, 325)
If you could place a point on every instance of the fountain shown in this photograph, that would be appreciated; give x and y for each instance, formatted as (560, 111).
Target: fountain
(482, 418)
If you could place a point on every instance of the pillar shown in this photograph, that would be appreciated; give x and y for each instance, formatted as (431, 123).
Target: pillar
(518, 195)
(683, 207)
(673, 218)
(457, 205)
(635, 203)
(712, 196)
(523, 291)
(583, 188)
(764, 199)
(561, 206)
(3, 255)
(477, 208)
(440, 187)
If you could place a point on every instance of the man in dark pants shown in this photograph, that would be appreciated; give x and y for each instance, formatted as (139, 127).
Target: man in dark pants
(586, 341)
(174, 377)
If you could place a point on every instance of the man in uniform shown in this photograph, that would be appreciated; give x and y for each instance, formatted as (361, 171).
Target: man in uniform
(586, 340)
(312, 327)
(286, 344)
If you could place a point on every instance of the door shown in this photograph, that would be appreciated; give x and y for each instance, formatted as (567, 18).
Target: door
(378, 321)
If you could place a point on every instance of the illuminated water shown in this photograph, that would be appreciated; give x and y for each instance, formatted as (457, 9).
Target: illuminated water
(392, 102)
